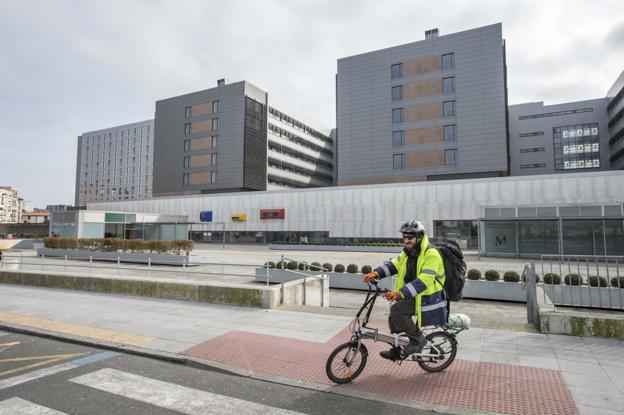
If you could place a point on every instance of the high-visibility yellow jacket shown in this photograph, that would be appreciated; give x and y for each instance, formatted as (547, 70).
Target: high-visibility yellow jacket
(426, 287)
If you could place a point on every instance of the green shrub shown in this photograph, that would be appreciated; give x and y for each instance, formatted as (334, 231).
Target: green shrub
(474, 274)
(352, 268)
(301, 266)
(367, 269)
(339, 268)
(511, 276)
(281, 265)
(573, 279)
(617, 282)
(315, 266)
(328, 267)
(269, 264)
(291, 265)
(492, 275)
(597, 281)
(552, 278)
(537, 278)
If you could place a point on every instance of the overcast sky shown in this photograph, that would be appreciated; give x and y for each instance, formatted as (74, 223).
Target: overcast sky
(68, 67)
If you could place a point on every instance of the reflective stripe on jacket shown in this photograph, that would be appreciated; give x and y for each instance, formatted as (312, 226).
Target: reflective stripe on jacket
(427, 287)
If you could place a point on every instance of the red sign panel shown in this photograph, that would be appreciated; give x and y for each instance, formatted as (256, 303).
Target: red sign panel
(272, 213)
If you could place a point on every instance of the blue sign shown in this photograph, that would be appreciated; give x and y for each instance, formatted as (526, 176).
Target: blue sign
(205, 216)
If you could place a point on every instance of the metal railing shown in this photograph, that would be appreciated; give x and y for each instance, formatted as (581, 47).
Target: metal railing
(530, 285)
(593, 281)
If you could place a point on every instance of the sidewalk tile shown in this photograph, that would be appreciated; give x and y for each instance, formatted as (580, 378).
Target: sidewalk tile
(496, 357)
(581, 367)
(615, 372)
(592, 410)
(468, 354)
(571, 355)
(539, 362)
(594, 382)
(598, 399)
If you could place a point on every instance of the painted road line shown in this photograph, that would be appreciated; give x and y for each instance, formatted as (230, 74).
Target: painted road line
(46, 360)
(4, 346)
(76, 329)
(37, 374)
(171, 396)
(17, 406)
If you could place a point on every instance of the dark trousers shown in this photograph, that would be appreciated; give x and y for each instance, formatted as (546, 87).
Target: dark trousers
(400, 319)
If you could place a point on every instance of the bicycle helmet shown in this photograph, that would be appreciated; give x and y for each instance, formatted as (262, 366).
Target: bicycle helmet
(413, 227)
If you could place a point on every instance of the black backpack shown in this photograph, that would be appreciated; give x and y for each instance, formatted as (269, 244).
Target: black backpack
(454, 268)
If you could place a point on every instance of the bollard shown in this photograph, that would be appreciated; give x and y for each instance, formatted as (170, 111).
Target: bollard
(90, 262)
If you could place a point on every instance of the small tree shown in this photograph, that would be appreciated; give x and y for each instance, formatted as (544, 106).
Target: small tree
(352, 268)
(492, 275)
(474, 274)
(511, 276)
(552, 278)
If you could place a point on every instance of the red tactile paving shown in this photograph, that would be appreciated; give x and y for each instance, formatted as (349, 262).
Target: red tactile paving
(490, 387)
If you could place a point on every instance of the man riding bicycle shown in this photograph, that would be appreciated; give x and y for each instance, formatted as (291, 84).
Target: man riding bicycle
(418, 289)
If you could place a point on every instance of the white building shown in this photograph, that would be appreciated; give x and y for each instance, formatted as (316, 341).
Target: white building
(11, 205)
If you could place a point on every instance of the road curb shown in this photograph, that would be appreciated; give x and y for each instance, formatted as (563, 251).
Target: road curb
(199, 363)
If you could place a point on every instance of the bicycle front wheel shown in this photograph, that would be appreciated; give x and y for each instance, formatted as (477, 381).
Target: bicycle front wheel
(346, 362)
(442, 349)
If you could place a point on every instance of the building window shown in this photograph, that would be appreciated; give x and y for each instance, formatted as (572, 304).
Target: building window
(449, 109)
(186, 162)
(450, 132)
(398, 138)
(185, 179)
(187, 145)
(396, 70)
(448, 61)
(187, 128)
(215, 141)
(187, 112)
(448, 85)
(398, 161)
(397, 115)
(450, 157)
(213, 177)
(215, 106)
(397, 93)
(215, 123)
(214, 159)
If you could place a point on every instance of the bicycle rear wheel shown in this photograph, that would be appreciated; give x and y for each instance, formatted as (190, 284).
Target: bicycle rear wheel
(443, 346)
(346, 362)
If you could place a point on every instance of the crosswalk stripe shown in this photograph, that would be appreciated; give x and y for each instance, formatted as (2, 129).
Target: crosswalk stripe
(17, 406)
(171, 396)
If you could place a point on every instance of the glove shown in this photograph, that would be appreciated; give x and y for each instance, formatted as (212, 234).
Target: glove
(394, 296)
(370, 276)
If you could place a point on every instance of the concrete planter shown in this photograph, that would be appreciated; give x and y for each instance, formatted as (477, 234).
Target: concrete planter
(134, 257)
(494, 290)
(585, 296)
(336, 279)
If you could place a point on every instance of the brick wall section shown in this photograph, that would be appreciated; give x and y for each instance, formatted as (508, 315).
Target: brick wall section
(424, 135)
(423, 89)
(200, 161)
(201, 143)
(422, 112)
(201, 126)
(201, 109)
(200, 178)
(424, 159)
(422, 65)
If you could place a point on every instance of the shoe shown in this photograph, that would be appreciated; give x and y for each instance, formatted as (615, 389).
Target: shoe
(414, 346)
(392, 354)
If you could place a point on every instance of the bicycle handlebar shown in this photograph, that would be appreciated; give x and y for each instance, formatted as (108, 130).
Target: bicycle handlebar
(375, 282)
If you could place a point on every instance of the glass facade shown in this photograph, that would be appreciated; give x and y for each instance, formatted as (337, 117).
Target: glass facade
(464, 232)
(576, 147)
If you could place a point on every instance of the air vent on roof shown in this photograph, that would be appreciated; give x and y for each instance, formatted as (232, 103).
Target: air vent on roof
(430, 34)
(221, 82)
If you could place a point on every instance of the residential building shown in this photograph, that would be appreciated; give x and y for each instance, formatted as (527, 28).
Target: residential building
(11, 205)
(115, 163)
(561, 138)
(36, 216)
(615, 109)
(428, 110)
(235, 137)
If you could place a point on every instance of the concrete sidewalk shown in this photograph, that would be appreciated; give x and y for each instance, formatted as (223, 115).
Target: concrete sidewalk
(498, 371)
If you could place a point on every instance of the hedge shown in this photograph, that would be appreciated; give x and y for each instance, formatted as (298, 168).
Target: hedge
(339, 268)
(552, 278)
(352, 268)
(573, 279)
(597, 281)
(492, 275)
(511, 276)
(124, 245)
(474, 274)
(328, 266)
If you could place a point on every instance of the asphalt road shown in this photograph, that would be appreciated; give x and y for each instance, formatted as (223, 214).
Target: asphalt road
(43, 376)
